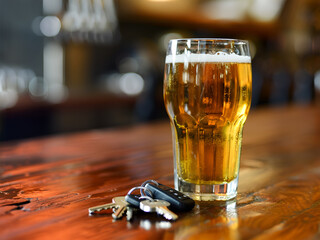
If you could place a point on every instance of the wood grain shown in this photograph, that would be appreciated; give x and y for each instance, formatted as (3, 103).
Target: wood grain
(48, 184)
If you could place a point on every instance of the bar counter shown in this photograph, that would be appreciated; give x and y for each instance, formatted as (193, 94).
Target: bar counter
(48, 184)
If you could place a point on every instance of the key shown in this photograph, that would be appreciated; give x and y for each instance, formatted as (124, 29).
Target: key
(99, 208)
(134, 204)
(178, 201)
(158, 206)
(131, 211)
(118, 203)
(122, 207)
(134, 200)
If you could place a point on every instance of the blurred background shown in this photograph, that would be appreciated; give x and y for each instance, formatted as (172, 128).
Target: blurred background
(72, 65)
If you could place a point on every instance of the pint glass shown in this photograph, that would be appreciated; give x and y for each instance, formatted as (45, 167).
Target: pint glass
(207, 95)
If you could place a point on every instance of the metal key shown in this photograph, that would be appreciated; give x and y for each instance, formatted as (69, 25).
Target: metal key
(122, 207)
(131, 211)
(118, 203)
(133, 201)
(158, 206)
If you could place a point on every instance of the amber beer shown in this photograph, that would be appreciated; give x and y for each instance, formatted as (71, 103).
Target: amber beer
(207, 98)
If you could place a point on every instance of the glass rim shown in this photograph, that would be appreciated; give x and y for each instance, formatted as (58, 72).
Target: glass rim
(235, 40)
(219, 49)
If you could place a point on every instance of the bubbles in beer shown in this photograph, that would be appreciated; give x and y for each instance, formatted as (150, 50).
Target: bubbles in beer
(207, 98)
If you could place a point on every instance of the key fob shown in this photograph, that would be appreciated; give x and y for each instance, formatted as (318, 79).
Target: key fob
(178, 201)
(134, 200)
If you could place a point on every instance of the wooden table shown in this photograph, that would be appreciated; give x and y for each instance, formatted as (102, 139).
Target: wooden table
(47, 185)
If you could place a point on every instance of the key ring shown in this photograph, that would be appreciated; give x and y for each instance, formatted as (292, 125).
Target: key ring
(147, 197)
(142, 191)
(148, 182)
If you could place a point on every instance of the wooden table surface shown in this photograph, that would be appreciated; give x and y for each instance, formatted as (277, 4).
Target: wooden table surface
(48, 184)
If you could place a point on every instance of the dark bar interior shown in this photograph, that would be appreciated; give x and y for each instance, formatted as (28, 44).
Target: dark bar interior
(67, 66)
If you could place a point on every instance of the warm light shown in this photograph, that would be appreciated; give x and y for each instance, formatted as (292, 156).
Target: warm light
(226, 9)
(161, 0)
(265, 10)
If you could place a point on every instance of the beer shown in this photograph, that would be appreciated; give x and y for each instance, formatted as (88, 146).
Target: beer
(207, 97)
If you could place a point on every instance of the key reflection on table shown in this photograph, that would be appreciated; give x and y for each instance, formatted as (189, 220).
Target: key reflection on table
(205, 220)
(147, 224)
(220, 221)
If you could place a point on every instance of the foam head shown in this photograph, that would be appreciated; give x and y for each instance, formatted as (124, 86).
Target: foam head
(217, 57)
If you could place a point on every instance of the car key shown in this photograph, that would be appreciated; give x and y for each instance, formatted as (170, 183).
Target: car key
(158, 206)
(99, 208)
(133, 201)
(118, 203)
(122, 207)
(178, 201)
(129, 212)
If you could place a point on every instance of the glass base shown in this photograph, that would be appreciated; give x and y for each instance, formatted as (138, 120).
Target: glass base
(205, 192)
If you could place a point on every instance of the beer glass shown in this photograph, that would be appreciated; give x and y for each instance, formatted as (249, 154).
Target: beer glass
(207, 95)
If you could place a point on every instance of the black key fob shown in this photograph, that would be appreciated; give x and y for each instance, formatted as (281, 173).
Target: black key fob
(178, 201)
(134, 200)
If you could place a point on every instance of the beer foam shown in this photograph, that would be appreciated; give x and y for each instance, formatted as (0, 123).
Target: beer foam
(218, 57)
